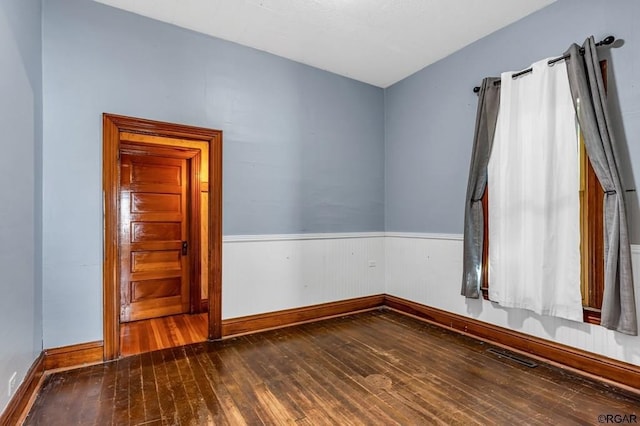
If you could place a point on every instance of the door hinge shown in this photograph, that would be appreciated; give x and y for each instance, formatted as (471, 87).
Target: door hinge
(185, 247)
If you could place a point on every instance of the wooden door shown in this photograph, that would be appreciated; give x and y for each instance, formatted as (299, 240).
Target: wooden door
(154, 229)
(119, 132)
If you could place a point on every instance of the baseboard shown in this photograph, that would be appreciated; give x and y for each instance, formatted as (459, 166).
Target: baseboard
(14, 411)
(288, 317)
(49, 360)
(582, 362)
(73, 356)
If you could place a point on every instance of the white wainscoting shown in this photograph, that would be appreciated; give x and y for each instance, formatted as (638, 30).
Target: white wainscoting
(427, 269)
(266, 273)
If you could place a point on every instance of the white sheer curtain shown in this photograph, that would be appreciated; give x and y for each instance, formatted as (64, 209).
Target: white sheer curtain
(534, 206)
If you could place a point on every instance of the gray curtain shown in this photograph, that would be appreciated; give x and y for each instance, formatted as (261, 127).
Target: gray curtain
(587, 90)
(486, 117)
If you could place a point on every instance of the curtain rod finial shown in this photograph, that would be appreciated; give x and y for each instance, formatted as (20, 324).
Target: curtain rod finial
(607, 41)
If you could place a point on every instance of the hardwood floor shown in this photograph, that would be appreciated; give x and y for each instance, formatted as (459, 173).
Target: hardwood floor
(378, 367)
(161, 333)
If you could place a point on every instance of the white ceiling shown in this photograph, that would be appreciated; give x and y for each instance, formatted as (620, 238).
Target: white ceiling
(375, 41)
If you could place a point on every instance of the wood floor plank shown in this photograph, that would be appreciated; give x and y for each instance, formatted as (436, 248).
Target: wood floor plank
(235, 406)
(377, 367)
(148, 389)
(485, 374)
(138, 337)
(321, 374)
(352, 374)
(284, 382)
(380, 374)
(205, 385)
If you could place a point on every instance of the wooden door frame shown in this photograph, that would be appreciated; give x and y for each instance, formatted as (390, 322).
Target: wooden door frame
(192, 155)
(113, 125)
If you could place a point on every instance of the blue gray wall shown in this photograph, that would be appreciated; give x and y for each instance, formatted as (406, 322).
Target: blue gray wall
(429, 116)
(303, 148)
(20, 208)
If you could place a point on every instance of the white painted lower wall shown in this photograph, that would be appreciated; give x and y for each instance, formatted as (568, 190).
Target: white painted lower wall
(427, 269)
(268, 273)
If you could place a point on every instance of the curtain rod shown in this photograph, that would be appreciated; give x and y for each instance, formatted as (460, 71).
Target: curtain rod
(607, 41)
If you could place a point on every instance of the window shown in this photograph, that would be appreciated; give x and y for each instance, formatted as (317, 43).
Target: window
(591, 231)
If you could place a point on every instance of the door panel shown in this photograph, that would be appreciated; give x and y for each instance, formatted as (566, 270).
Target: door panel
(145, 174)
(165, 261)
(150, 289)
(154, 273)
(147, 232)
(144, 202)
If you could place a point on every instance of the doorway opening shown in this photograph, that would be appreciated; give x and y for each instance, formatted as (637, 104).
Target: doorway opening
(162, 186)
